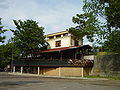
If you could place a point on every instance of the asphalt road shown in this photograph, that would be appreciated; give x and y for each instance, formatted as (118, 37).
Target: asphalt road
(15, 82)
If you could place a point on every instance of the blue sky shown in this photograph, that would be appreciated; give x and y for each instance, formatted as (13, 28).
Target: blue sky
(53, 15)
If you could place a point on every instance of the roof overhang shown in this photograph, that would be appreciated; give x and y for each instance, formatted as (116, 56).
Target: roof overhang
(58, 33)
(66, 48)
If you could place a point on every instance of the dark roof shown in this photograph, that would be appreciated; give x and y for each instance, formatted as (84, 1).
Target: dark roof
(65, 48)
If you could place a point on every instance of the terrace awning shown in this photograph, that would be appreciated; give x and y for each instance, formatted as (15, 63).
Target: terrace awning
(66, 48)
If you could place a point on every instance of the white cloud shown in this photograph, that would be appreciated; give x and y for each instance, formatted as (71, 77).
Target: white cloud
(54, 15)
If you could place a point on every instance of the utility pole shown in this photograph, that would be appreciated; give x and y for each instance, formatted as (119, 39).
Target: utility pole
(12, 61)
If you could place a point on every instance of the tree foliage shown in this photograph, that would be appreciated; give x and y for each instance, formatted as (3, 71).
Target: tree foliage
(113, 42)
(28, 36)
(87, 25)
(7, 53)
(110, 11)
(113, 12)
(1, 31)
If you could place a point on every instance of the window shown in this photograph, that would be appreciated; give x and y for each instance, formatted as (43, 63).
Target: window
(66, 34)
(58, 43)
(51, 37)
(57, 36)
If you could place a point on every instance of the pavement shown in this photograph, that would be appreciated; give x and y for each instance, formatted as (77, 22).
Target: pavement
(64, 77)
(18, 81)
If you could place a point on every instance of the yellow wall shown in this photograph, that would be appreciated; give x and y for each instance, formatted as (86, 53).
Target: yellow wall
(65, 71)
(71, 71)
(49, 71)
(65, 42)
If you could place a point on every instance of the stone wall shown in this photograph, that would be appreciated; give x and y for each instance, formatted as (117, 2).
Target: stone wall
(106, 65)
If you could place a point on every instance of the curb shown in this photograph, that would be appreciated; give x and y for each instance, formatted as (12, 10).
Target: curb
(62, 77)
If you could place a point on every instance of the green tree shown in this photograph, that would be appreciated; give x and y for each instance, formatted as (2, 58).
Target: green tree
(6, 54)
(87, 25)
(3, 60)
(1, 31)
(113, 13)
(28, 36)
(113, 42)
(110, 11)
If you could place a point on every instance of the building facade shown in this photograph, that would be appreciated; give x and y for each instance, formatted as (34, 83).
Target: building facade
(64, 57)
(62, 39)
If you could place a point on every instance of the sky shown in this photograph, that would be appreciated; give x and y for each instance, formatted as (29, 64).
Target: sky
(53, 15)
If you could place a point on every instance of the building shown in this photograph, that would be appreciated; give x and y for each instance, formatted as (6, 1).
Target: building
(62, 39)
(64, 57)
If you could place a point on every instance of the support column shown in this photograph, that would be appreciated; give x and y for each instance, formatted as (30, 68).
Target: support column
(75, 54)
(21, 70)
(13, 69)
(38, 70)
(82, 71)
(59, 71)
(60, 55)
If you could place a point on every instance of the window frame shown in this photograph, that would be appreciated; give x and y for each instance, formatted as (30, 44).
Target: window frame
(58, 43)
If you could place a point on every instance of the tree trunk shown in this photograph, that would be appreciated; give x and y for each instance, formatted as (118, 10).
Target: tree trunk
(81, 41)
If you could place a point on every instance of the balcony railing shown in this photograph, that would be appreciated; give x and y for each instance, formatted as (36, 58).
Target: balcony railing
(53, 63)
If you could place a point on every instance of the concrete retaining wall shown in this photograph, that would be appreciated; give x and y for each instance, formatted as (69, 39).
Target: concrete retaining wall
(89, 57)
(106, 65)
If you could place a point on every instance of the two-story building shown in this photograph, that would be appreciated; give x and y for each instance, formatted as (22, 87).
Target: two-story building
(62, 39)
(64, 57)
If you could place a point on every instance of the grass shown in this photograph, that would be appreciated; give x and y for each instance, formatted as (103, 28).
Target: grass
(98, 76)
(107, 77)
(105, 53)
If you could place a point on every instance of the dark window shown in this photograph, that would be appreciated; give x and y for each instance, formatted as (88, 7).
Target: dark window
(66, 34)
(58, 43)
(51, 37)
(57, 36)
